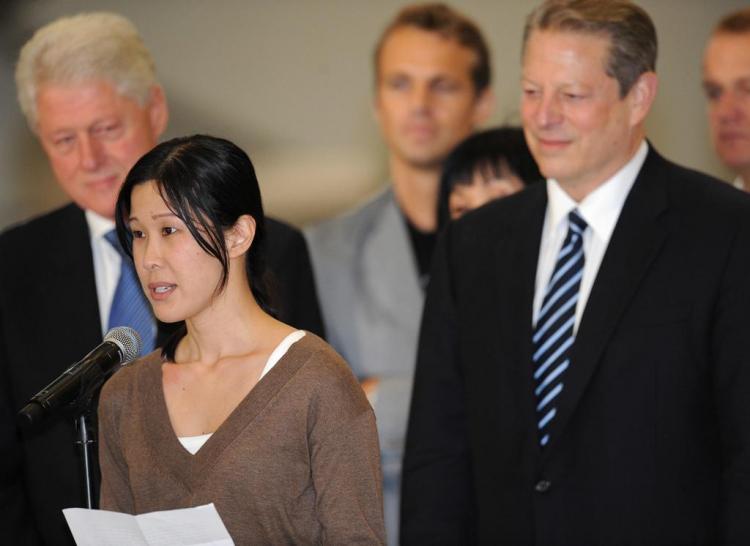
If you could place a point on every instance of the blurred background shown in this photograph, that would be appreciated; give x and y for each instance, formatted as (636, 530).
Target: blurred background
(291, 82)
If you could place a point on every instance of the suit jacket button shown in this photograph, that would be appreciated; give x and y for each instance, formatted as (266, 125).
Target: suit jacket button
(542, 486)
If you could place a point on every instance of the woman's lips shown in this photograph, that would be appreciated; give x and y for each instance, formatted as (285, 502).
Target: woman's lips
(160, 290)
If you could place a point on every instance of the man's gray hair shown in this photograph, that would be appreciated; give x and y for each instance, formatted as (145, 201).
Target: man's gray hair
(631, 32)
(82, 48)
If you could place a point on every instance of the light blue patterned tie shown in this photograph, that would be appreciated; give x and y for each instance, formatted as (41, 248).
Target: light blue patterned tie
(129, 306)
(553, 334)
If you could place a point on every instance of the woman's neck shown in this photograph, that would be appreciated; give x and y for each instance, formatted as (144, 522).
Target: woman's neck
(234, 324)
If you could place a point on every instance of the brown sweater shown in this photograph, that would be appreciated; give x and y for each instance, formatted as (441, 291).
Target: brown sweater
(297, 462)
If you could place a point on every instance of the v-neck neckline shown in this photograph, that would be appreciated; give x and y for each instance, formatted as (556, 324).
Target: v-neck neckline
(192, 469)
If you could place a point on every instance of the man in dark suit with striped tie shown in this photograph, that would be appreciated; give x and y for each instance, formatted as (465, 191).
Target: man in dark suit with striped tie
(583, 372)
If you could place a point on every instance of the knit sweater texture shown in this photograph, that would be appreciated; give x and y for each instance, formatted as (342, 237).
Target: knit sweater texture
(297, 462)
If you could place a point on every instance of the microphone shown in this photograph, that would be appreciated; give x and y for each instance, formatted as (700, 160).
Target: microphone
(74, 387)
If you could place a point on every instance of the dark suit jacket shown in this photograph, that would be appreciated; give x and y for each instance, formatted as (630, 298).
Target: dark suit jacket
(292, 284)
(49, 318)
(650, 443)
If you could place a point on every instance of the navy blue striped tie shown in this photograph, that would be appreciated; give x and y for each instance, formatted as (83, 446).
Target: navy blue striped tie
(553, 334)
(129, 305)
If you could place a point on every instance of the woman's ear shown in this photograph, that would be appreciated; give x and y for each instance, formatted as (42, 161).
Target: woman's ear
(240, 236)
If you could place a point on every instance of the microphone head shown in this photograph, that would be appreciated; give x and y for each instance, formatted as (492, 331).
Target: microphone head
(127, 339)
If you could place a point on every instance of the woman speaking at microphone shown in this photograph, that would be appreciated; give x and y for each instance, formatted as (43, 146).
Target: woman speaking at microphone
(238, 409)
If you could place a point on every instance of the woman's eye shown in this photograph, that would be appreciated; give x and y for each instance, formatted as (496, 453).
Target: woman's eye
(168, 230)
(137, 234)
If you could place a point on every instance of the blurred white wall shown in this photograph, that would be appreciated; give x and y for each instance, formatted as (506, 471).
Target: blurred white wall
(290, 81)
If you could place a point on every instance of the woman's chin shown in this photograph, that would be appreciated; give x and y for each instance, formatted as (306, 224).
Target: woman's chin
(168, 316)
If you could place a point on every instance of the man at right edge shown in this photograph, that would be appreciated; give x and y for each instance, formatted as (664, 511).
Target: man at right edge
(583, 371)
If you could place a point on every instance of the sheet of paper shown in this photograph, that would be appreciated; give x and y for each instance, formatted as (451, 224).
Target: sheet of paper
(199, 526)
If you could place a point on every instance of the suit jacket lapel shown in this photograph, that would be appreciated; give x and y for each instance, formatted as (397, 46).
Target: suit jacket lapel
(392, 283)
(635, 242)
(71, 284)
(515, 303)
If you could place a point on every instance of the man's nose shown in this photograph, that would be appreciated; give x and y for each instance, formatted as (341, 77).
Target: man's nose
(90, 153)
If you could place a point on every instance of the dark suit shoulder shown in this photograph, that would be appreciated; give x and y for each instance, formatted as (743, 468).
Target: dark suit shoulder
(501, 217)
(292, 283)
(285, 247)
(37, 248)
(697, 193)
(47, 234)
(44, 226)
(508, 209)
(281, 232)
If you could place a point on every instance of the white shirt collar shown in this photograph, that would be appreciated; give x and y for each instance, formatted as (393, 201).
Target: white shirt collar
(98, 225)
(739, 183)
(106, 262)
(601, 208)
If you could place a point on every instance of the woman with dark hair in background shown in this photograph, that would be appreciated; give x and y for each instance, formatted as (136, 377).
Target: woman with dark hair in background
(238, 409)
(487, 165)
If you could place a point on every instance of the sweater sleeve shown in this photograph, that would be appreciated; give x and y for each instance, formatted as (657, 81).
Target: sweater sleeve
(346, 476)
(115, 488)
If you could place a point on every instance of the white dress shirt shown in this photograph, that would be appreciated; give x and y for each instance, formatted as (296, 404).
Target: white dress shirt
(600, 209)
(106, 264)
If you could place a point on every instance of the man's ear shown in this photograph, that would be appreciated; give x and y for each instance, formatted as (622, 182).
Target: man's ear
(239, 238)
(484, 106)
(158, 111)
(641, 96)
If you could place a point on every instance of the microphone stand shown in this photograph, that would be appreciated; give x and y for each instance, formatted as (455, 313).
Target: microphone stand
(85, 442)
(75, 390)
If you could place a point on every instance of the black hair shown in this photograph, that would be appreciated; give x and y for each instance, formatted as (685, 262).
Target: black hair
(208, 183)
(491, 152)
